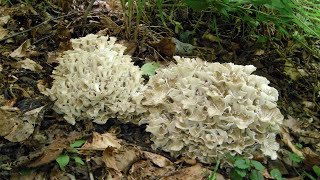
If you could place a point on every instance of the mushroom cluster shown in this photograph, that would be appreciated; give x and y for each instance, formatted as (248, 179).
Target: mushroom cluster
(206, 110)
(96, 80)
(195, 108)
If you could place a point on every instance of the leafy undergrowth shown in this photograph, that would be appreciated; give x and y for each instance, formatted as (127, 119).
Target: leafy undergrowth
(280, 38)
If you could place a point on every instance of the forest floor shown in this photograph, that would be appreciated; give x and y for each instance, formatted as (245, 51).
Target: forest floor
(37, 143)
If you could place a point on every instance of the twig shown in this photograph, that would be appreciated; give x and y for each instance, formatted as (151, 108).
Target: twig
(44, 22)
(86, 12)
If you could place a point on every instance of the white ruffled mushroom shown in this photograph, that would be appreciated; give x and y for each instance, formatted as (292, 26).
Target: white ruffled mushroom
(205, 110)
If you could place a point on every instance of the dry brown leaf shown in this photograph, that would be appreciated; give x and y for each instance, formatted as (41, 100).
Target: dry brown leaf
(131, 47)
(166, 46)
(189, 173)
(145, 169)
(51, 152)
(157, 159)
(286, 138)
(311, 158)
(102, 141)
(259, 52)
(52, 57)
(8, 120)
(4, 20)
(3, 32)
(21, 51)
(28, 64)
(109, 159)
(20, 132)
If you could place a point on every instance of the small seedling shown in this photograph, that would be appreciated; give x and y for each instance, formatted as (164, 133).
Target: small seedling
(64, 159)
(275, 173)
(244, 167)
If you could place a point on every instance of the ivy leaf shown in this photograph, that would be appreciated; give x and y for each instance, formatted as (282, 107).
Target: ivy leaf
(256, 175)
(78, 160)
(316, 169)
(257, 165)
(63, 161)
(78, 143)
(276, 174)
(241, 164)
(150, 68)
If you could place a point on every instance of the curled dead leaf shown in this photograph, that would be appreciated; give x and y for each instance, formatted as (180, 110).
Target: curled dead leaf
(157, 159)
(102, 141)
(28, 64)
(21, 51)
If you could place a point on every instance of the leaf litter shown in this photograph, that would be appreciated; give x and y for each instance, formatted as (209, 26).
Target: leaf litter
(33, 135)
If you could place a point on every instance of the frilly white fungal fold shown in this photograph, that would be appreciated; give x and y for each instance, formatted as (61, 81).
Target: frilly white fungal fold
(96, 81)
(205, 110)
(194, 108)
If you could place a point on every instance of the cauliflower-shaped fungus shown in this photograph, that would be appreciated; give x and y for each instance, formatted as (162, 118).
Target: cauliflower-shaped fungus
(96, 81)
(205, 110)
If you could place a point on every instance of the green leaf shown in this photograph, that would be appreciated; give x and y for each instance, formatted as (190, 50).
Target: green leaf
(295, 158)
(257, 165)
(276, 174)
(241, 164)
(241, 172)
(63, 161)
(234, 175)
(78, 160)
(150, 68)
(316, 169)
(299, 145)
(197, 5)
(256, 175)
(78, 143)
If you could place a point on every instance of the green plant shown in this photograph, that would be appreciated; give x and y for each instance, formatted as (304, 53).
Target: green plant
(275, 173)
(244, 168)
(214, 173)
(150, 68)
(316, 169)
(64, 159)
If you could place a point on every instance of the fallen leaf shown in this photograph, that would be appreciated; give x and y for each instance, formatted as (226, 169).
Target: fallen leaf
(131, 47)
(157, 159)
(182, 48)
(259, 52)
(8, 120)
(28, 64)
(102, 141)
(4, 20)
(190, 173)
(52, 57)
(51, 152)
(311, 158)
(22, 50)
(3, 32)
(210, 37)
(286, 138)
(166, 46)
(293, 72)
(145, 169)
(20, 132)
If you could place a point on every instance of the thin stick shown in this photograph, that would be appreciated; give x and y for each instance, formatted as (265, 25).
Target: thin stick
(44, 22)
(86, 12)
